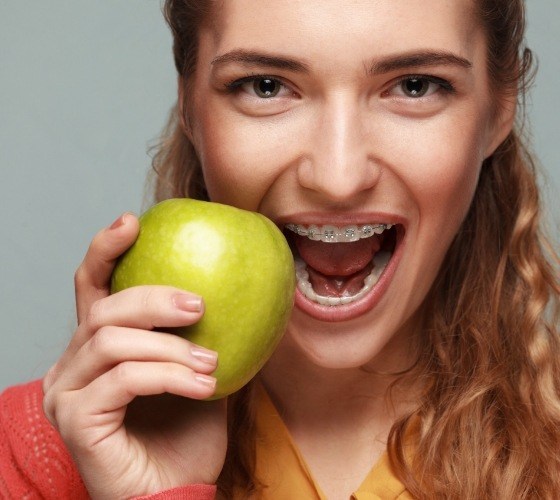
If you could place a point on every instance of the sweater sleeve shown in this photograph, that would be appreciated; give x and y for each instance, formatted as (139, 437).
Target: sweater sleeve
(191, 492)
(34, 462)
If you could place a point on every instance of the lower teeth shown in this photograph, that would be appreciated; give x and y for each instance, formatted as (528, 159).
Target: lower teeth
(380, 261)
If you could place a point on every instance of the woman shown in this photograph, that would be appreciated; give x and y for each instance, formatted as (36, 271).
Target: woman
(436, 377)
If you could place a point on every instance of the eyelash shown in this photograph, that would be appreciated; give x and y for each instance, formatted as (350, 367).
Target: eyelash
(235, 85)
(444, 85)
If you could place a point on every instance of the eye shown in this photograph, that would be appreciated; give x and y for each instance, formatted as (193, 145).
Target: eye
(415, 87)
(266, 87)
(262, 87)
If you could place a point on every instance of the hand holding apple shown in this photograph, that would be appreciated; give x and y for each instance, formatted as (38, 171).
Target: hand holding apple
(238, 261)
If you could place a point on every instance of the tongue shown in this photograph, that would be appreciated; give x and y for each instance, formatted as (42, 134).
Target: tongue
(338, 286)
(337, 259)
(338, 269)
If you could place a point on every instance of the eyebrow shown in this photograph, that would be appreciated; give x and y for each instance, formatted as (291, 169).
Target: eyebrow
(384, 65)
(253, 58)
(417, 59)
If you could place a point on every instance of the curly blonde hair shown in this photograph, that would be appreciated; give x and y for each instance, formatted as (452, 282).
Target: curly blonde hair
(489, 417)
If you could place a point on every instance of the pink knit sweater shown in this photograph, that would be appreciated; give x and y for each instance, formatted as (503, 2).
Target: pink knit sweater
(34, 462)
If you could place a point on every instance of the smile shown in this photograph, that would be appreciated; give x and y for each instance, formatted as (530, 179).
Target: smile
(338, 266)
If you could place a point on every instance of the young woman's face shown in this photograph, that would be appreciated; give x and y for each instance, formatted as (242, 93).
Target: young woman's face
(360, 125)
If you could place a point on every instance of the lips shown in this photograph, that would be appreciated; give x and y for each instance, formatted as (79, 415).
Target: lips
(342, 270)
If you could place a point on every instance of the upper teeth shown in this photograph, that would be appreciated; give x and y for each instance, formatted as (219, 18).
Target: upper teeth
(333, 234)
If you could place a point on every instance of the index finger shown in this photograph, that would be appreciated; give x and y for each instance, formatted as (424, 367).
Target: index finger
(93, 276)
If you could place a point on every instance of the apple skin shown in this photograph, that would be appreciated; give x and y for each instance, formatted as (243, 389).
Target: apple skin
(238, 261)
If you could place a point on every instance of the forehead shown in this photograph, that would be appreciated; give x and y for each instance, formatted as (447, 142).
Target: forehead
(350, 28)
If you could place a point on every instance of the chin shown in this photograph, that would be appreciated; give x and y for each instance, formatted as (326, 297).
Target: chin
(342, 345)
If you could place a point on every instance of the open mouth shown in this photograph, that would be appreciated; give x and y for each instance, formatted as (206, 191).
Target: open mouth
(337, 266)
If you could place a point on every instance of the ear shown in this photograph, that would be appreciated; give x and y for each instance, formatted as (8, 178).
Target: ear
(182, 107)
(501, 123)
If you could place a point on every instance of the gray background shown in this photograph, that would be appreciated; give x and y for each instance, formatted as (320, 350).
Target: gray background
(85, 87)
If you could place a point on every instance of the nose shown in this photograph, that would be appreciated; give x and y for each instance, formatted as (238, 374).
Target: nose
(339, 163)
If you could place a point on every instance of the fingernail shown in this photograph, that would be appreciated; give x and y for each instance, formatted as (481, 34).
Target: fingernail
(209, 357)
(119, 222)
(187, 302)
(205, 380)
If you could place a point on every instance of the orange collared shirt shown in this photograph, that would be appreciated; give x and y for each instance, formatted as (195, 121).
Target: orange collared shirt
(282, 468)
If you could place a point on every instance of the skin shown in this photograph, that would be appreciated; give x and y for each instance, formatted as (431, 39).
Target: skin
(338, 143)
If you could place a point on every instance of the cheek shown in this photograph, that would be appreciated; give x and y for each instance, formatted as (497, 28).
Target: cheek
(440, 173)
(240, 158)
(441, 170)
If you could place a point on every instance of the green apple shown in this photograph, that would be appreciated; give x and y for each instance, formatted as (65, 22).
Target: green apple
(238, 261)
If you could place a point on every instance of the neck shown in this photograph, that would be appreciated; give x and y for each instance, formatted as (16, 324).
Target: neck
(339, 418)
(306, 393)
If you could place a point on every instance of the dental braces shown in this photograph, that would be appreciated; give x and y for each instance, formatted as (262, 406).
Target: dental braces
(330, 234)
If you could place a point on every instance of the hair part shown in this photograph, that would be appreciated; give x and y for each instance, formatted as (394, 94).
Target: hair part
(177, 169)
(490, 415)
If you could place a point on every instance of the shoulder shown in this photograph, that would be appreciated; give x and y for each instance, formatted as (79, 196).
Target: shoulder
(20, 398)
(33, 458)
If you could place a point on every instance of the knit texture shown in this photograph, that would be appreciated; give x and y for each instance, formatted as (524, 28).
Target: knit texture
(34, 462)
